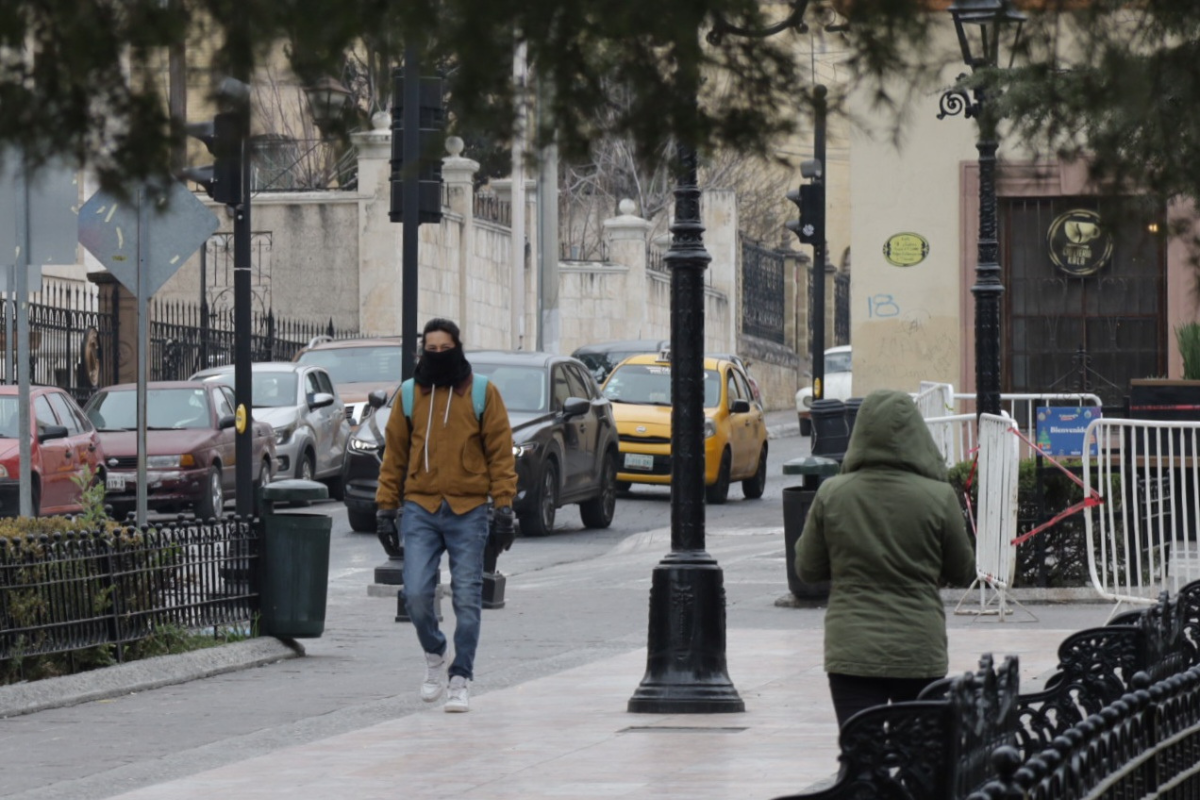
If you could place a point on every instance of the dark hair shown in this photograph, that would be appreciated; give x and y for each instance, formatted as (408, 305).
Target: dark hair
(444, 325)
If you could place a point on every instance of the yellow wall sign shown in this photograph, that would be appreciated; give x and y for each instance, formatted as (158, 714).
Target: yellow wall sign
(905, 249)
(239, 419)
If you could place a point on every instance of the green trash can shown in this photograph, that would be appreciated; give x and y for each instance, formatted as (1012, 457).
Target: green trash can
(796, 502)
(295, 562)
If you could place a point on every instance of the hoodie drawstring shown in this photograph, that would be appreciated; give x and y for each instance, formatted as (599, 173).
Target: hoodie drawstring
(429, 421)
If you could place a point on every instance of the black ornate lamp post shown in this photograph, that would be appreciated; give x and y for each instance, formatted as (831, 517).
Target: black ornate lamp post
(685, 662)
(978, 24)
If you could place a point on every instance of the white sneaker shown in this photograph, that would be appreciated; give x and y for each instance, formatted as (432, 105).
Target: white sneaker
(435, 677)
(458, 698)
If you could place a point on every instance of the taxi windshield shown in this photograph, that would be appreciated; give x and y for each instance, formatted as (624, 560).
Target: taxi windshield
(650, 384)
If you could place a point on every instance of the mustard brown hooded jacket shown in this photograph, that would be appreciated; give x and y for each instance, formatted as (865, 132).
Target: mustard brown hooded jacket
(448, 454)
(886, 532)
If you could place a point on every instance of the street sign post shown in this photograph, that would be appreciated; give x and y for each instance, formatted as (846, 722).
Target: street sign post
(36, 207)
(143, 243)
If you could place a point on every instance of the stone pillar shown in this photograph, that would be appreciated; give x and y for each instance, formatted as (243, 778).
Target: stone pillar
(719, 215)
(120, 364)
(379, 290)
(458, 174)
(626, 236)
(830, 304)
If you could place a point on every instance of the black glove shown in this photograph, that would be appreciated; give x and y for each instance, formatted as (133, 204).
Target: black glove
(387, 528)
(503, 531)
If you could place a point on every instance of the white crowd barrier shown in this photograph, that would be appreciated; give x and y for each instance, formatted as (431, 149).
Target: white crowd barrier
(996, 518)
(934, 399)
(1142, 539)
(954, 436)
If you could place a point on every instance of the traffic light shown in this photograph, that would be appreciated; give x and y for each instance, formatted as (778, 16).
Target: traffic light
(431, 125)
(222, 180)
(810, 200)
(225, 137)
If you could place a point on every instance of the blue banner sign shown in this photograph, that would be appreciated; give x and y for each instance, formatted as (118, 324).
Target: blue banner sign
(1060, 429)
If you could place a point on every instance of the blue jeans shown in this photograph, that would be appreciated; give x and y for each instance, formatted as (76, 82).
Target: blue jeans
(464, 537)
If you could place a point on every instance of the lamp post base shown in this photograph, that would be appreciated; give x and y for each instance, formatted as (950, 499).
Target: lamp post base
(685, 663)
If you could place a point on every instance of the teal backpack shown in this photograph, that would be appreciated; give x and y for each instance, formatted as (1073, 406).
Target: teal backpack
(478, 397)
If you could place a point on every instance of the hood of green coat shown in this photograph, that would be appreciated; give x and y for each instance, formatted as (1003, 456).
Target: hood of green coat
(889, 432)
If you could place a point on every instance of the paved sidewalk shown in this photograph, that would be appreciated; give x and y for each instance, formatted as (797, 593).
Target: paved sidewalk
(568, 735)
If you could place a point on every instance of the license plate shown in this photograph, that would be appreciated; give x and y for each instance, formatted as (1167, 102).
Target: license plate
(638, 461)
(114, 483)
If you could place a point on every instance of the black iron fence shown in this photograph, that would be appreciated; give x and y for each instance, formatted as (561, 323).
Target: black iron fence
(71, 592)
(763, 297)
(72, 341)
(186, 338)
(1120, 718)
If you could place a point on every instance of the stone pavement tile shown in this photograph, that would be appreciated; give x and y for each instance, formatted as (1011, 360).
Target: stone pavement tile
(568, 735)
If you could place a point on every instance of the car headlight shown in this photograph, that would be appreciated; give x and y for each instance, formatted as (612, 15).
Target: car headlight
(360, 445)
(170, 462)
(807, 400)
(283, 434)
(710, 428)
(525, 449)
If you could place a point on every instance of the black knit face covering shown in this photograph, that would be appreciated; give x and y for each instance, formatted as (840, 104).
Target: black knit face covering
(445, 368)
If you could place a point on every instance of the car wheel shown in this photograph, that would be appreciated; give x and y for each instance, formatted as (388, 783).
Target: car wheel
(211, 504)
(361, 521)
(539, 520)
(305, 468)
(753, 487)
(598, 512)
(718, 493)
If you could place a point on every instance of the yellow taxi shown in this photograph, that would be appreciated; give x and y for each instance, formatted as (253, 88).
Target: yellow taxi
(735, 433)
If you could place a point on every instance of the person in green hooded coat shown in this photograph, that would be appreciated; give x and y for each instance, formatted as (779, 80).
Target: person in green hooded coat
(887, 533)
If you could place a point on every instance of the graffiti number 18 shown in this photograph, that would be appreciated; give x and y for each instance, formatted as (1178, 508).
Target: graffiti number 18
(882, 305)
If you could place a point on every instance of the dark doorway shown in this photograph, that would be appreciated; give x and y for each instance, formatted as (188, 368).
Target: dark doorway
(1084, 286)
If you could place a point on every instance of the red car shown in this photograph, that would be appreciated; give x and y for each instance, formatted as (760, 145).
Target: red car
(64, 444)
(189, 445)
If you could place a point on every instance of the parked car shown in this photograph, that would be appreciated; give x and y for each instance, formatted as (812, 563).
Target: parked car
(602, 357)
(564, 438)
(735, 431)
(357, 368)
(837, 385)
(303, 408)
(63, 446)
(189, 445)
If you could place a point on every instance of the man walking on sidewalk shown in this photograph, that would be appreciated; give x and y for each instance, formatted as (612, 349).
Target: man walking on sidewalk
(445, 453)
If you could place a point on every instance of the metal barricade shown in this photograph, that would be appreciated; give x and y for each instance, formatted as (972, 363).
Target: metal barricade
(1142, 539)
(934, 399)
(996, 518)
(954, 436)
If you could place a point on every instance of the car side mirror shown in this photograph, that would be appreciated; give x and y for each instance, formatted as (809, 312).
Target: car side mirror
(227, 421)
(575, 407)
(377, 399)
(48, 432)
(321, 400)
(740, 407)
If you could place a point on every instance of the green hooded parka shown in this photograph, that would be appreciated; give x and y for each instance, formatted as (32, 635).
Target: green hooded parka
(886, 532)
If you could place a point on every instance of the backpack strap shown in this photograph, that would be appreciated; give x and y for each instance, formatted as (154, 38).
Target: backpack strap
(478, 396)
(406, 398)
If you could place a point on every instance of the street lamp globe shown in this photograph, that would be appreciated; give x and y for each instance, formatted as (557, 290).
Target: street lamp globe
(326, 100)
(978, 24)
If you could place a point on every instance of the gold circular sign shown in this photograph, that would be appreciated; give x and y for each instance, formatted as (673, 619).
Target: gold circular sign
(239, 419)
(1079, 244)
(905, 249)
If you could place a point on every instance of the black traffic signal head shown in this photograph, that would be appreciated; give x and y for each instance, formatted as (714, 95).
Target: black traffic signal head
(810, 200)
(430, 147)
(223, 138)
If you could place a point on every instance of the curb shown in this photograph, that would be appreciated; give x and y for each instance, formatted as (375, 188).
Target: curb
(952, 597)
(783, 430)
(138, 676)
